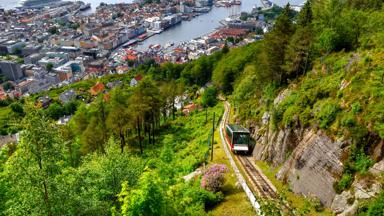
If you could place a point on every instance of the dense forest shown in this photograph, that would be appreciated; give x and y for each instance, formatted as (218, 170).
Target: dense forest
(125, 150)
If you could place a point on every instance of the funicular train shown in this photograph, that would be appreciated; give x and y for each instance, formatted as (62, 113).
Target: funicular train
(238, 138)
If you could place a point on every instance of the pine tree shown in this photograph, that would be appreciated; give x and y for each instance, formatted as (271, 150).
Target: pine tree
(297, 57)
(275, 45)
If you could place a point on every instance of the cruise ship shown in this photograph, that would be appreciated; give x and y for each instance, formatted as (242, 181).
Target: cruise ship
(37, 3)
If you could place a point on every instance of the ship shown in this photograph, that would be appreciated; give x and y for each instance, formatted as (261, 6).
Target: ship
(38, 3)
(169, 44)
(85, 7)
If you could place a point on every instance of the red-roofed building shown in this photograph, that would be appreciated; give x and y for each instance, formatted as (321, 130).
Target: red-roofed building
(135, 80)
(189, 108)
(97, 89)
(229, 32)
(3, 95)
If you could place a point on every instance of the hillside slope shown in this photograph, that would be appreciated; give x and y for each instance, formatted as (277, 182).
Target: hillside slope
(327, 127)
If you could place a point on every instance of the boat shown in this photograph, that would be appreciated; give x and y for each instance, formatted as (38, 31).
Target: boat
(155, 31)
(85, 7)
(169, 44)
(130, 43)
(38, 3)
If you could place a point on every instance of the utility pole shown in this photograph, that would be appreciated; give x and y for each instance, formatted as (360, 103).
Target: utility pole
(213, 135)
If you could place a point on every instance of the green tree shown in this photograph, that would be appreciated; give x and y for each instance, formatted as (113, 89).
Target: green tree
(17, 108)
(139, 103)
(209, 97)
(297, 59)
(55, 111)
(275, 45)
(53, 30)
(32, 169)
(80, 120)
(8, 86)
(49, 67)
(118, 118)
(148, 199)
(96, 134)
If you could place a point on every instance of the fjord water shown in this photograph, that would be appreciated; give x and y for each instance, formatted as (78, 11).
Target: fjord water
(204, 24)
(186, 30)
(8, 4)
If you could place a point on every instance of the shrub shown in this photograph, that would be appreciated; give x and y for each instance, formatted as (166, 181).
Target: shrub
(348, 121)
(356, 108)
(305, 116)
(375, 207)
(345, 182)
(362, 163)
(289, 116)
(213, 178)
(17, 108)
(326, 113)
(209, 97)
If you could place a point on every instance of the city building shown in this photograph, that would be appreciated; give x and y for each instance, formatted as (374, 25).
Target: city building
(11, 70)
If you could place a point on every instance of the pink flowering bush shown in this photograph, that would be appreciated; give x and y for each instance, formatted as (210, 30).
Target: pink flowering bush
(213, 178)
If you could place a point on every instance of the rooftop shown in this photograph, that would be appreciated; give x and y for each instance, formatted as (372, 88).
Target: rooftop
(237, 128)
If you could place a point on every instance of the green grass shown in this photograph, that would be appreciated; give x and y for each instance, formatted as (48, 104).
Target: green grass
(235, 202)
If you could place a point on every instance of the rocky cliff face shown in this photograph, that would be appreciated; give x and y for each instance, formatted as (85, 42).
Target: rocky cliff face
(311, 161)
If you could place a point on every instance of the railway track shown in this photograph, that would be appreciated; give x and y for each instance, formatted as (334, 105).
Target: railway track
(259, 183)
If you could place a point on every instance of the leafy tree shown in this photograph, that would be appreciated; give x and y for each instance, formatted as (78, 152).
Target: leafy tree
(49, 67)
(91, 188)
(55, 111)
(53, 30)
(225, 48)
(32, 169)
(70, 107)
(17, 108)
(119, 118)
(80, 120)
(8, 86)
(140, 105)
(95, 134)
(148, 199)
(209, 97)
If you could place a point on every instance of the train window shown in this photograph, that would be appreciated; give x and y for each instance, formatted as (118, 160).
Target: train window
(241, 138)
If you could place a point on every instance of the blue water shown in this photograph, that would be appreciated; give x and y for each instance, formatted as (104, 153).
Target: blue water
(186, 30)
(8, 4)
(202, 24)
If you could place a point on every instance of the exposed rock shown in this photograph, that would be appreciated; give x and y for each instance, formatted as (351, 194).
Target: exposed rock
(366, 190)
(340, 202)
(313, 167)
(311, 161)
(193, 174)
(265, 118)
(350, 210)
(377, 168)
(276, 146)
(282, 95)
(14, 138)
(378, 151)
(344, 83)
